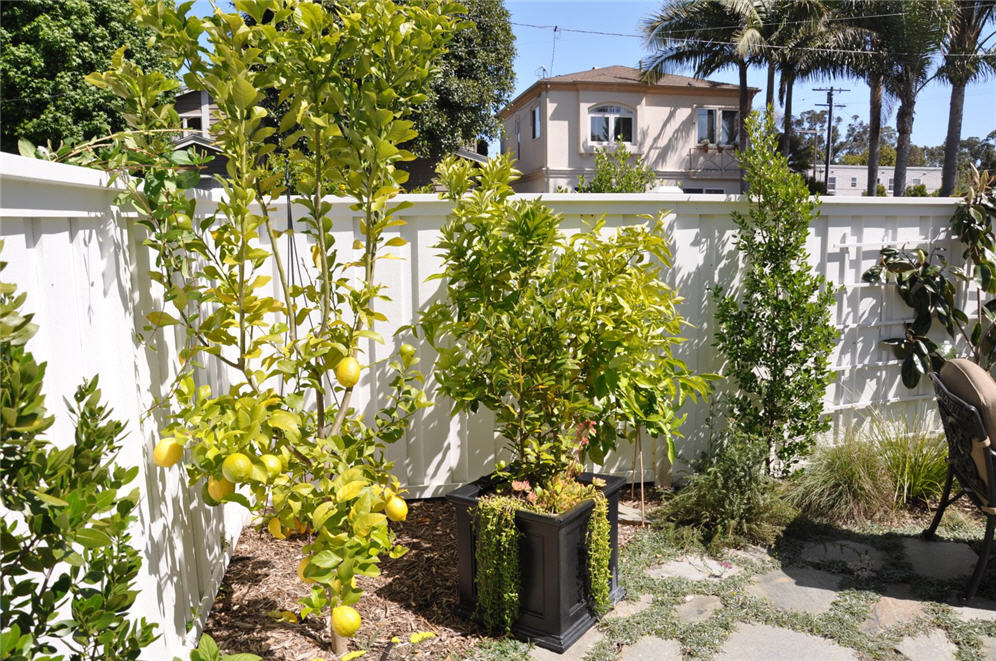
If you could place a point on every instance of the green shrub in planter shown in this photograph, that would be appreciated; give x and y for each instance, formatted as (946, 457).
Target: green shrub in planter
(568, 341)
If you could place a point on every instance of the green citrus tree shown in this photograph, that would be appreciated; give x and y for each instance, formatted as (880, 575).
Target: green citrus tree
(285, 439)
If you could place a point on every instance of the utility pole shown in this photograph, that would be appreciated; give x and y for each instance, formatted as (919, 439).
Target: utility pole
(829, 104)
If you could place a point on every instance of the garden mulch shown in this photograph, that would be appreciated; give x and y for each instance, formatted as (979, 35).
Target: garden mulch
(414, 593)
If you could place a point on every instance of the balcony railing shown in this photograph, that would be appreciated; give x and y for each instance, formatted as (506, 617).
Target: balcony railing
(713, 160)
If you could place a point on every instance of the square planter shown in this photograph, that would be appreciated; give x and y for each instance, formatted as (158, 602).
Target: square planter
(554, 610)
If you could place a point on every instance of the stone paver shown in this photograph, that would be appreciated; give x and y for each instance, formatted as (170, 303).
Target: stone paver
(575, 652)
(939, 560)
(652, 648)
(988, 648)
(801, 589)
(698, 607)
(896, 606)
(628, 606)
(752, 553)
(931, 645)
(629, 514)
(760, 642)
(693, 567)
(855, 555)
(977, 609)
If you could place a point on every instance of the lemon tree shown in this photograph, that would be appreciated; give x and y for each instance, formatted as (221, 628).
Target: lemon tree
(284, 439)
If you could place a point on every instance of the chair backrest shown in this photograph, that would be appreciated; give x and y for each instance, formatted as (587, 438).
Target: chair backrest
(966, 396)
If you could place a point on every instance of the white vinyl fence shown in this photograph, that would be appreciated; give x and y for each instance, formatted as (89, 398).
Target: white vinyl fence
(82, 264)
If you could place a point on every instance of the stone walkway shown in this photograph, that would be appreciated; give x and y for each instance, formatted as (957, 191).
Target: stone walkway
(826, 600)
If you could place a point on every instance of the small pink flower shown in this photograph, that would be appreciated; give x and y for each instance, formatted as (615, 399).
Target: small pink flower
(521, 485)
(531, 497)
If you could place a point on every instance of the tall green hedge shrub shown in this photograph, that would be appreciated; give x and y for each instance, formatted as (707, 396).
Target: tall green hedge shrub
(774, 327)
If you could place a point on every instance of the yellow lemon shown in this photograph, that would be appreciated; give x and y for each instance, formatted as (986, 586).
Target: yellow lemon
(220, 489)
(345, 621)
(396, 509)
(348, 372)
(236, 467)
(273, 465)
(301, 566)
(275, 529)
(167, 452)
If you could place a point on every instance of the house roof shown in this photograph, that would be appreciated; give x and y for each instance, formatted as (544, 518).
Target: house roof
(621, 75)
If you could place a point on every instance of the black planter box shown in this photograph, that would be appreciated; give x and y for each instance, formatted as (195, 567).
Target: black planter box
(554, 610)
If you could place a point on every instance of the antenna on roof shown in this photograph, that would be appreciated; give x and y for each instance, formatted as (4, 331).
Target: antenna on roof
(541, 72)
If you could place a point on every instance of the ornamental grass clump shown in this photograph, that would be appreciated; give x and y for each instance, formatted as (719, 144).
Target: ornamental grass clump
(567, 340)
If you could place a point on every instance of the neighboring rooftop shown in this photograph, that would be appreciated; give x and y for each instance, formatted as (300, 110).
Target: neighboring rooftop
(621, 74)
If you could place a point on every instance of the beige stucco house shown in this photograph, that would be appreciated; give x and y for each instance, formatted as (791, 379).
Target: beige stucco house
(684, 128)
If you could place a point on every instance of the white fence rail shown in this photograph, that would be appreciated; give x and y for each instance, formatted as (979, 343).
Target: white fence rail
(81, 261)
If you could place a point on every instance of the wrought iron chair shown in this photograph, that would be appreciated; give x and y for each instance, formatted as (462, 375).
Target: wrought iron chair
(966, 397)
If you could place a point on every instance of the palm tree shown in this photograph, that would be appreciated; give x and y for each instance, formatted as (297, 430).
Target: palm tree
(708, 36)
(914, 38)
(965, 60)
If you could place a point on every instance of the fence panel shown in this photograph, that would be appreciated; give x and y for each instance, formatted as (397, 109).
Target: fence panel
(83, 266)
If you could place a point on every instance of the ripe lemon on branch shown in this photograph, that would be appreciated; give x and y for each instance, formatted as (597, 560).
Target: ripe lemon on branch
(220, 489)
(236, 467)
(345, 621)
(347, 372)
(396, 509)
(167, 452)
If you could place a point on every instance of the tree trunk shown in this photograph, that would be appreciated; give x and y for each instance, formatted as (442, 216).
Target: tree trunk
(744, 110)
(904, 127)
(874, 132)
(769, 96)
(952, 142)
(789, 79)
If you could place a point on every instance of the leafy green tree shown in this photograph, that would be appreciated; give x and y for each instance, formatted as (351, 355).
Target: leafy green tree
(475, 80)
(617, 172)
(46, 49)
(774, 326)
(349, 76)
(67, 568)
(550, 332)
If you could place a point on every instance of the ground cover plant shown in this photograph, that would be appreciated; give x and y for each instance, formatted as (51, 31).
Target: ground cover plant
(67, 566)
(568, 340)
(284, 440)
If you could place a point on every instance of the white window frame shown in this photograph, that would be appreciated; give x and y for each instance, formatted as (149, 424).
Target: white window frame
(613, 111)
(831, 183)
(854, 182)
(537, 122)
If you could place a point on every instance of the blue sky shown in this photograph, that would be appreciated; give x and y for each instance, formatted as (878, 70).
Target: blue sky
(576, 52)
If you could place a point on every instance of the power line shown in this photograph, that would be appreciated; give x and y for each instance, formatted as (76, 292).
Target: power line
(696, 40)
(829, 104)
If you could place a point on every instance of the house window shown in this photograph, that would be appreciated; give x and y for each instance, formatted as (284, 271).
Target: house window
(854, 182)
(731, 127)
(611, 123)
(536, 122)
(891, 182)
(518, 141)
(715, 191)
(832, 184)
(691, 190)
(706, 119)
(916, 182)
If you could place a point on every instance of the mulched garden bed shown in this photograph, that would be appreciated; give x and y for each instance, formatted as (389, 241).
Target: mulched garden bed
(414, 593)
